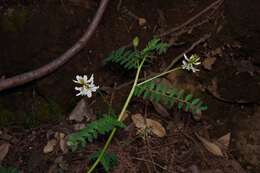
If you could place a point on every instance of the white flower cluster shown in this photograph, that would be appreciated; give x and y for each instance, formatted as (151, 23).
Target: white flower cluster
(87, 85)
(190, 63)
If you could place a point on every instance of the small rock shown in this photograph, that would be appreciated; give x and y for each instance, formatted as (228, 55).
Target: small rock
(81, 111)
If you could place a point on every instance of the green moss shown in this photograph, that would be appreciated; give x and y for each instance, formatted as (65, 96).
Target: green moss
(6, 116)
(14, 19)
(40, 111)
(43, 112)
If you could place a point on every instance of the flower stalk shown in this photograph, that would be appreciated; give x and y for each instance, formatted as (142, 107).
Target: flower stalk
(119, 119)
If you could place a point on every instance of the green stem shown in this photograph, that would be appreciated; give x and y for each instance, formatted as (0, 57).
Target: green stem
(131, 92)
(159, 75)
(119, 119)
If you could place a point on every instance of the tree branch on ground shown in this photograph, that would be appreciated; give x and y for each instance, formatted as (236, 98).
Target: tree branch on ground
(58, 62)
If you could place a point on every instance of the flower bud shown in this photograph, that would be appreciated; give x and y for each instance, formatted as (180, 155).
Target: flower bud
(136, 41)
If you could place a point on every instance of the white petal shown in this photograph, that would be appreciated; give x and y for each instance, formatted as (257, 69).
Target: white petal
(78, 94)
(75, 81)
(185, 56)
(83, 93)
(94, 89)
(91, 79)
(194, 70)
(85, 78)
(89, 93)
(184, 65)
(78, 88)
(78, 77)
(91, 85)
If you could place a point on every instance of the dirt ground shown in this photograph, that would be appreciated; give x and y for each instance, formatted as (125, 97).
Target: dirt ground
(33, 33)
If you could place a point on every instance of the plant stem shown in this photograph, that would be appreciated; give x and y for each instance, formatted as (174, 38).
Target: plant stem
(119, 119)
(103, 151)
(159, 75)
(131, 92)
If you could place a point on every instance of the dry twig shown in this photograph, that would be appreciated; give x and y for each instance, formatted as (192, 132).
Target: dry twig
(149, 161)
(213, 5)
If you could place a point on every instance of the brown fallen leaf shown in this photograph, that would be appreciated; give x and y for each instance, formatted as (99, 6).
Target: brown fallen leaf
(63, 143)
(138, 121)
(49, 147)
(141, 21)
(155, 127)
(210, 146)
(208, 63)
(225, 140)
(4, 148)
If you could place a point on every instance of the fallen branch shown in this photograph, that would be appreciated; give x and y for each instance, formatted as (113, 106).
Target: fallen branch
(58, 62)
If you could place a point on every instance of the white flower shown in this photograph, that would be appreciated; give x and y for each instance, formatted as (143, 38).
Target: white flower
(87, 85)
(189, 63)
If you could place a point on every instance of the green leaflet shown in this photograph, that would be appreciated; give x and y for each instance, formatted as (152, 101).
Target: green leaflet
(92, 130)
(108, 161)
(130, 59)
(155, 45)
(168, 96)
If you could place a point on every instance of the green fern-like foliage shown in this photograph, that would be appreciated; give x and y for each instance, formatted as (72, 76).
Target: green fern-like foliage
(108, 160)
(155, 45)
(92, 130)
(169, 97)
(130, 59)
